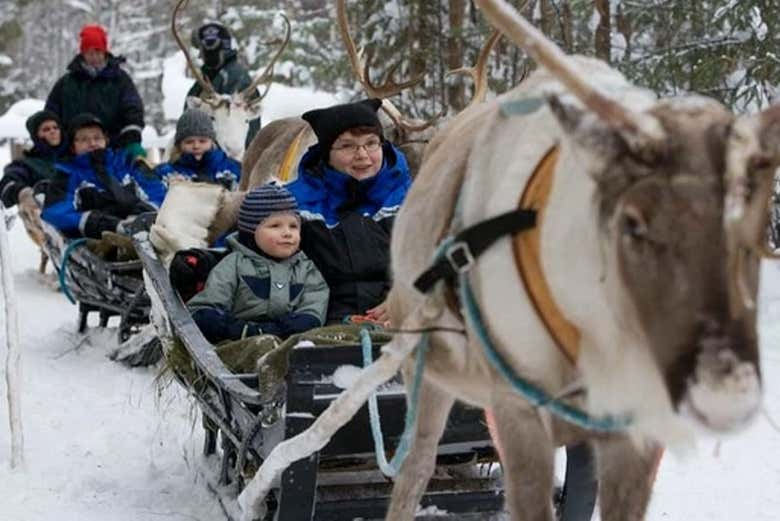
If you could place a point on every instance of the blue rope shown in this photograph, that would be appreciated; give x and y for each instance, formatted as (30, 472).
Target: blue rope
(63, 265)
(536, 396)
(390, 469)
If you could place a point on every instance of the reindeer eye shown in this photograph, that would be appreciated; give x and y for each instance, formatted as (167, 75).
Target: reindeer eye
(632, 226)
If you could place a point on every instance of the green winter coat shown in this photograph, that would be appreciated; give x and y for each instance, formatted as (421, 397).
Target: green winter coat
(255, 288)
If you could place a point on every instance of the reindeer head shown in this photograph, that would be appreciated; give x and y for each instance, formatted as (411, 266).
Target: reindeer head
(680, 196)
(231, 112)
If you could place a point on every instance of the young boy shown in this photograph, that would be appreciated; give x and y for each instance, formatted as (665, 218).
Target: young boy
(266, 285)
(98, 188)
(198, 159)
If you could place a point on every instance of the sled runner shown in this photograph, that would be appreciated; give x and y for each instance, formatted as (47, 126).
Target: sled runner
(242, 425)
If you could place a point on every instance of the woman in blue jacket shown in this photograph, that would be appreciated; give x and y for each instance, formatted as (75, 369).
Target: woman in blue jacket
(349, 188)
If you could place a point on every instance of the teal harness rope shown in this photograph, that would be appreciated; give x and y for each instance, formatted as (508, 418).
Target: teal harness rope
(63, 266)
(536, 396)
(390, 469)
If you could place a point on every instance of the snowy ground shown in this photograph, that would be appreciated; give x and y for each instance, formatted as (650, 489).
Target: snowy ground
(103, 442)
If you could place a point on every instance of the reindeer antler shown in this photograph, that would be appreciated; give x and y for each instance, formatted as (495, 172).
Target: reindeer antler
(210, 95)
(360, 69)
(642, 131)
(478, 72)
(268, 72)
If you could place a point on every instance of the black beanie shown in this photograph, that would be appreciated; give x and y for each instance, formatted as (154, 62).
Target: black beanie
(35, 121)
(328, 124)
(83, 120)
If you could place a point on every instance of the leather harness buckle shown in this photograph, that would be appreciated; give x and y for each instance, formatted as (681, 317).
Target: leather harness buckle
(460, 257)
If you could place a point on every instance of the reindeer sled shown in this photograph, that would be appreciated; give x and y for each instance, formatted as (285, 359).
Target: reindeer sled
(244, 419)
(109, 285)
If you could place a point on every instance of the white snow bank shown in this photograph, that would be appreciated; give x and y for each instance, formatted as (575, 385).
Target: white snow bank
(12, 122)
(283, 101)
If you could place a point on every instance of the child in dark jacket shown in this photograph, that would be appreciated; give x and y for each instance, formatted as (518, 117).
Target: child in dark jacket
(37, 164)
(198, 157)
(266, 285)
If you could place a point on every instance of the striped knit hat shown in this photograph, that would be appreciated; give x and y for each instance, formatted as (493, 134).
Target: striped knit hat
(262, 202)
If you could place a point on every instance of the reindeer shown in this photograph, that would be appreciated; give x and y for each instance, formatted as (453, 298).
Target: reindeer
(642, 266)
(231, 112)
(277, 149)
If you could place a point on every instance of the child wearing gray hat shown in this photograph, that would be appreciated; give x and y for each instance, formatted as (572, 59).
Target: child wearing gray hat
(196, 157)
(266, 285)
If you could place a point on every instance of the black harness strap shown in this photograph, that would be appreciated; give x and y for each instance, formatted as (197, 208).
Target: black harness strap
(470, 243)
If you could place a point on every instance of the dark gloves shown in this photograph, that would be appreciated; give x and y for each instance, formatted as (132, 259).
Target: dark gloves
(189, 270)
(93, 198)
(99, 222)
(218, 325)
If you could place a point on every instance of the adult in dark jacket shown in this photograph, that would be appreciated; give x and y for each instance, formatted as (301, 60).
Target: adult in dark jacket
(349, 188)
(37, 163)
(98, 189)
(96, 84)
(221, 66)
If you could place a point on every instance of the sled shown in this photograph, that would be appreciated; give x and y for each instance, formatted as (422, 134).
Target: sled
(108, 288)
(341, 481)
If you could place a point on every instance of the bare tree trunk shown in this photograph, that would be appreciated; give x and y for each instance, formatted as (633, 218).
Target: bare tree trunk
(623, 26)
(547, 24)
(456, 91)
(602, 38)
(567, 26)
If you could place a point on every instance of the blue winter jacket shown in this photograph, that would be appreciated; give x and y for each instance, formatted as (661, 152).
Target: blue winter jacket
(346, 227)
(214, 167)
(84, 199)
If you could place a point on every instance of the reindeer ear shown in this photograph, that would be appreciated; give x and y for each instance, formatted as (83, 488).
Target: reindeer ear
(194, 102)
(588, 130)
(254, 109)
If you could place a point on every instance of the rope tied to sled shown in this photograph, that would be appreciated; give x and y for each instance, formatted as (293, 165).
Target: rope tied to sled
(391, 468)
(63, 267)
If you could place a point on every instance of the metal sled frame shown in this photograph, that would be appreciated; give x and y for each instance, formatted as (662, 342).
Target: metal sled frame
(341, 481)
(108, 288)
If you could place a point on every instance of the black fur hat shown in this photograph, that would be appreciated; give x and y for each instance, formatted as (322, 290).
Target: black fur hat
(35, 121)
(83, 120)
(328, 124)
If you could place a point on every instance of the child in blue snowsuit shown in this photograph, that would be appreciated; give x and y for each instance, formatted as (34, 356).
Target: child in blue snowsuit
(198, 158)
(98, 189)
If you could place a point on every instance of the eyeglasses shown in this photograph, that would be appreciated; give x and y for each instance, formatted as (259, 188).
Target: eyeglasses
(352, 148)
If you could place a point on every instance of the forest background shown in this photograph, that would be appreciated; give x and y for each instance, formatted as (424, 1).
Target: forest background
(726, 49)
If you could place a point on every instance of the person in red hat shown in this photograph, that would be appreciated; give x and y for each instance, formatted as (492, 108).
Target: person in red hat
(95, 83)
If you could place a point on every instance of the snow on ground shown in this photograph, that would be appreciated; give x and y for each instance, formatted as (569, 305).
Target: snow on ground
(100, 442)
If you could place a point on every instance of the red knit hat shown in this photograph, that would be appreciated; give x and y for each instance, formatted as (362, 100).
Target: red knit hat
(93, 37)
